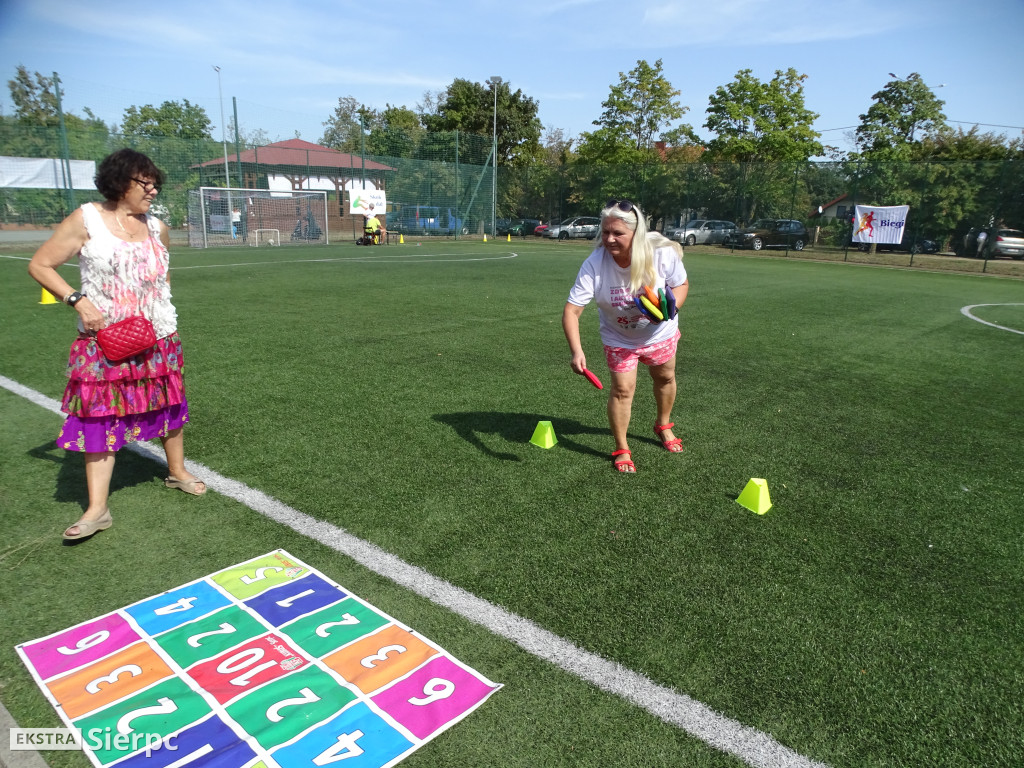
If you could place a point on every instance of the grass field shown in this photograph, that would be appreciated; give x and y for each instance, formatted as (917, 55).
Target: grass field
(871, 618)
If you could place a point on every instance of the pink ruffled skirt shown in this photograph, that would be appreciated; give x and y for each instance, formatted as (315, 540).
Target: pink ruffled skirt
(111, 404)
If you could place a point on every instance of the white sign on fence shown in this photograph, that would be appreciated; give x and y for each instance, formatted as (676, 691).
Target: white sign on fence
(880, 224)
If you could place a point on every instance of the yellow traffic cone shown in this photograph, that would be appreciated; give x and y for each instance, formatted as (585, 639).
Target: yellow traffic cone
(544, 435)
(485, 237)
(401, 239)
(48, 298)
(755, 496)
(509, 237)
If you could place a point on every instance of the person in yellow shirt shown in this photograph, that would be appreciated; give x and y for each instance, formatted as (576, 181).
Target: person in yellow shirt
(373, 227)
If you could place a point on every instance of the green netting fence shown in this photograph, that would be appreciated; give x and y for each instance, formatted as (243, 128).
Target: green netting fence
(445, 184)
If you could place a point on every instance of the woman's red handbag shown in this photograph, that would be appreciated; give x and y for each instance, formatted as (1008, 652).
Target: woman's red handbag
(126, 338)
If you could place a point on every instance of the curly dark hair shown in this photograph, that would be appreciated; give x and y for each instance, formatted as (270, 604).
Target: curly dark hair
(116, 171)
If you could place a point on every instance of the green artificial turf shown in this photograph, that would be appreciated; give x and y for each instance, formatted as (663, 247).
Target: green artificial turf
(870, 618)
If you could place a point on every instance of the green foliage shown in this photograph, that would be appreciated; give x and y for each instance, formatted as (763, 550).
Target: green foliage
(762, 122)
(641, 109)
(181, 120)
(905, 111)
(343, 130)
(469, 107)
(767, 127)
(34, 97)
(643, 106)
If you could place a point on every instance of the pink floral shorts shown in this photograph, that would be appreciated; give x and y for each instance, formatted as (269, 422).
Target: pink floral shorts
(622, 359)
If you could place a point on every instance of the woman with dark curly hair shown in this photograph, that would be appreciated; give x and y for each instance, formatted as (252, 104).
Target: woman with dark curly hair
(123, 261)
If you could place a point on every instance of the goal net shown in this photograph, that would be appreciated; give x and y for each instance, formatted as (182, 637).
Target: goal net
(257, 217)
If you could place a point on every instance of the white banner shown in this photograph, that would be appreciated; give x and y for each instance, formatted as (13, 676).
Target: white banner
(878, 224)
(365, 201)
(45, 173)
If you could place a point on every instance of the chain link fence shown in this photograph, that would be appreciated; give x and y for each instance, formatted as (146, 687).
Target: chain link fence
(444, 184)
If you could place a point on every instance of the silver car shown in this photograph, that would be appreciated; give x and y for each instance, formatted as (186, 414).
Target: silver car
(701, 231)
(1006, 242)
(575, 227)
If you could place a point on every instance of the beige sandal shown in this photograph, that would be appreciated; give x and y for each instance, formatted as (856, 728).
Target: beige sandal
(87, 528)
(188, 486)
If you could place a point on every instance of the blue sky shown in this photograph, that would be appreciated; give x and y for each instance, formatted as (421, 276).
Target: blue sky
(287, 62)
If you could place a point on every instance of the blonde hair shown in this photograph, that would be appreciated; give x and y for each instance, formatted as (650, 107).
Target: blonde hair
(641, 257)
(658, 240)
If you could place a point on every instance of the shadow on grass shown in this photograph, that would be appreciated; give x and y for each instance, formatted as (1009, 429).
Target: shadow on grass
(518, 428)
(130, 470)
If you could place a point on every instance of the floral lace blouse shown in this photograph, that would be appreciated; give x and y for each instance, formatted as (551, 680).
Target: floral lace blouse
(124, 279)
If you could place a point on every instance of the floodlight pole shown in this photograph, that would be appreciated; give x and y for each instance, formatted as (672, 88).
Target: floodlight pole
(223, 131)
(494, 82)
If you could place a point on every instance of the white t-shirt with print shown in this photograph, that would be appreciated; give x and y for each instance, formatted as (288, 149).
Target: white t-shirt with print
(622, 323)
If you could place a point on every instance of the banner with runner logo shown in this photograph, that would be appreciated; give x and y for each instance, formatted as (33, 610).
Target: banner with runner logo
(267, 663)
(880, 224)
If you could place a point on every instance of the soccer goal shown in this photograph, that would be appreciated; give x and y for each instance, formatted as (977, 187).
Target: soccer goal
(257, 217)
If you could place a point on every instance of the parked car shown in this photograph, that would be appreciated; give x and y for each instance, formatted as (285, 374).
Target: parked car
(1006, 242)
(701, 231)
(909, 244)
(425, 220)
(771, 233)
(520, 227)
(1001, 241)
(540, 229)
(575, 227)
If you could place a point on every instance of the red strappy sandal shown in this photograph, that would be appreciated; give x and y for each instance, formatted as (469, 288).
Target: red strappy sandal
(672, 446)
(623, 465)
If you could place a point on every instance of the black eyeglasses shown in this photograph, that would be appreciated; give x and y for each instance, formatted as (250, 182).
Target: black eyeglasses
(147, 186)
(623, 205)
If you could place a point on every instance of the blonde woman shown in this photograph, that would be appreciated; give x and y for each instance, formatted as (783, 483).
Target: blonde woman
(628, 259)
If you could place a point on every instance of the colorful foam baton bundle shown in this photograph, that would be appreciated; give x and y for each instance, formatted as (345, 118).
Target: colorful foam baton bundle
(656, 307)
(670, 298)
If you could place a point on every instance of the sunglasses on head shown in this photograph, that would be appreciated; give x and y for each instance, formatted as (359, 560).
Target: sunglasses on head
(623, 205)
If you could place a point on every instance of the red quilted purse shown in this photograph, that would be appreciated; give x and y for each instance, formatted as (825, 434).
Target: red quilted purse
(126, 338)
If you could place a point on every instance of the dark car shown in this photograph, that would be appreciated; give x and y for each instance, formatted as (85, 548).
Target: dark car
(501, 226)
(909, 244)
(771, 233)
(521, 227)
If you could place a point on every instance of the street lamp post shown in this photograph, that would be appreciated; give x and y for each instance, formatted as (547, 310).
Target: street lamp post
(494, 82)
(223, 129)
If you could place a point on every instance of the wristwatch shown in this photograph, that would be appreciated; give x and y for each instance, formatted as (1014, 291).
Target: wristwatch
(74, 298)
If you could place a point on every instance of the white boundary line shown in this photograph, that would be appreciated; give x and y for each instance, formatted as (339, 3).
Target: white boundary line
(748, 744)
(423, 258)
(967, 311)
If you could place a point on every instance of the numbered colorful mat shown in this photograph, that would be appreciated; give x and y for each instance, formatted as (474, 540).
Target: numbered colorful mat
(264, 664)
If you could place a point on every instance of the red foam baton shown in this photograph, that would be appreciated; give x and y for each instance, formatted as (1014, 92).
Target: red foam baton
(593, 379)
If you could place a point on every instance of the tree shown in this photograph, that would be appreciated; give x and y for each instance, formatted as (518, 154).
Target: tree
(905, 111)
(34, 97)
(470, 108)
(33, 131)
(766, 129)
(180, 120)
(344, 130)
(640, 111)
(396, 132)
(762, 122)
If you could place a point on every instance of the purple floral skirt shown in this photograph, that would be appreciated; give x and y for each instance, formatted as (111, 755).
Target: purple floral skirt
(111, 404)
